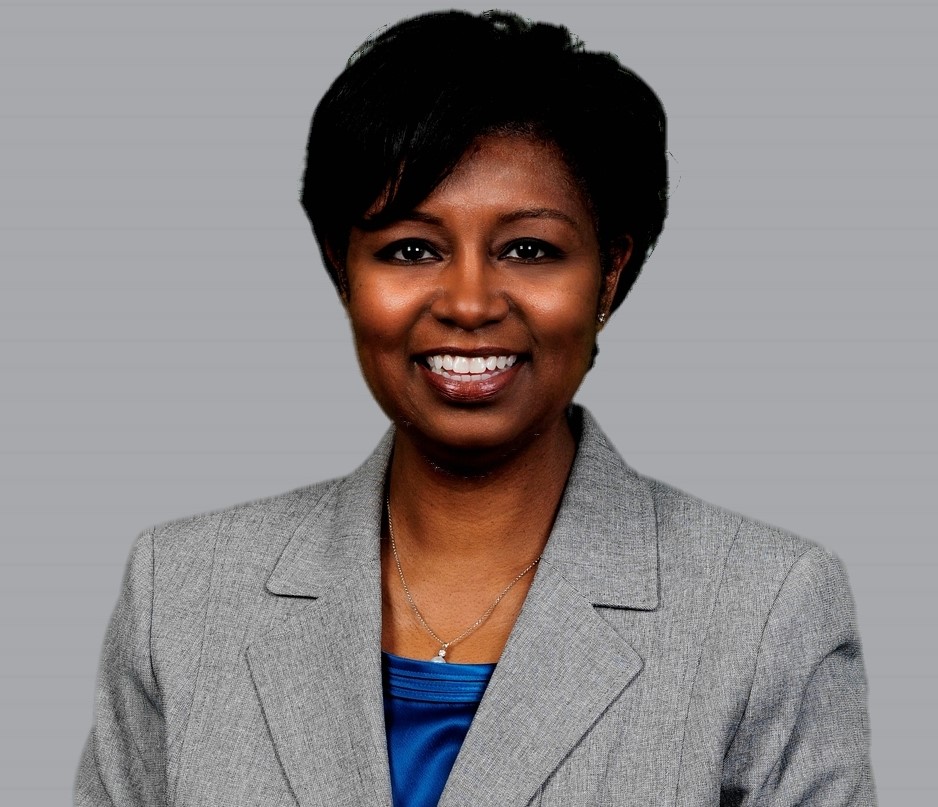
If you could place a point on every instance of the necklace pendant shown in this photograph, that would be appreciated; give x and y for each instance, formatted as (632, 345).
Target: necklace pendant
(438, 658)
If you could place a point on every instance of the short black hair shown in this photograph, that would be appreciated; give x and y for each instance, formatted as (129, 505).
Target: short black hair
(414, 98)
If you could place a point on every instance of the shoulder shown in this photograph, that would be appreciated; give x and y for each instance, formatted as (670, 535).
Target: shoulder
(184, 556)
(196, 586)
(747, 562)
(697, 555)
(766, 607)
(233, 551)
(764, 621)
(259, 522)
(683, 519)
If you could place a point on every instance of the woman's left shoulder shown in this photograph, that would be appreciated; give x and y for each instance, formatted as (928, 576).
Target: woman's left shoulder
(744, 554)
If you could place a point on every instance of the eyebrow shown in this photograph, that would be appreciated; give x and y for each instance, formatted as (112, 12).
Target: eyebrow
(505, 218)
(536, 213)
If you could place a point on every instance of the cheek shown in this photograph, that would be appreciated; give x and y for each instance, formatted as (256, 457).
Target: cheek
(567, 316)
(380, 315)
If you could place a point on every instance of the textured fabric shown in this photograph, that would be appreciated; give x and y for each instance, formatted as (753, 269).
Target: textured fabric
(668, 653)
(427, 711)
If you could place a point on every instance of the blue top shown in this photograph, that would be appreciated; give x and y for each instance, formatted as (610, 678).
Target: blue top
(427, 711)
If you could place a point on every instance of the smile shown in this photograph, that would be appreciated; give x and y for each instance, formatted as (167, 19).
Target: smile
(469, 368)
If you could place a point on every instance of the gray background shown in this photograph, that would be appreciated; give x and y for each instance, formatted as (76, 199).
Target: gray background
(169, 342)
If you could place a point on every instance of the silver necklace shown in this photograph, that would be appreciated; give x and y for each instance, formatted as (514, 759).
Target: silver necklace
(440, 656)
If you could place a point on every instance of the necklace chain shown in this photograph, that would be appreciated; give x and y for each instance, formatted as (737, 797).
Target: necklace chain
(445, 646)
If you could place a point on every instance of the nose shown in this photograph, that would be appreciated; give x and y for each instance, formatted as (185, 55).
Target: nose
(470, 294)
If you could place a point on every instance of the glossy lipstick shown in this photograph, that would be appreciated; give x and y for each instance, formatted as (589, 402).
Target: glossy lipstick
(469, 376)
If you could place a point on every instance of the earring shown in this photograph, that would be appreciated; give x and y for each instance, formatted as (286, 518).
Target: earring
(601, 319)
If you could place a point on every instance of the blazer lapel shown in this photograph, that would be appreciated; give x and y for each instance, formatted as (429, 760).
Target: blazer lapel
(562, 667)
(319, 679)
(564, 664)
(320, 687)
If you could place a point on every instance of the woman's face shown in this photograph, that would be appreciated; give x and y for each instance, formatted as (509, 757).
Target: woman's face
(475, 317)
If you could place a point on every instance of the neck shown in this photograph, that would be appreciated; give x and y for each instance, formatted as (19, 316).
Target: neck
(485, 519)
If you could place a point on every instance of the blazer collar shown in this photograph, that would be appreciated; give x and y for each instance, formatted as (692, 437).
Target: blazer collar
(604, 540)
(319, 677)
(340, 536)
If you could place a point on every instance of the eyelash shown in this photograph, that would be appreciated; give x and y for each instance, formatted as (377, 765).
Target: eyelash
(389, 253)
(550, 251)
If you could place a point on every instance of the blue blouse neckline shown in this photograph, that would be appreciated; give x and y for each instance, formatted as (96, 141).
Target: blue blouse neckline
(428, 681)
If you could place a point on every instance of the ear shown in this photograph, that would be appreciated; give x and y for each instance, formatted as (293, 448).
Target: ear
(610, 280)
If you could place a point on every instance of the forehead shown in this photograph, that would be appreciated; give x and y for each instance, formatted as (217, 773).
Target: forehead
(505, 171)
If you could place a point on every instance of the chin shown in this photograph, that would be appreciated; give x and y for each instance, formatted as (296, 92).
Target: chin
(476, 449)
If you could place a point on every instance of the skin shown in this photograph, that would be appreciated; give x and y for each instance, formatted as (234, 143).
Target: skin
(500, 259)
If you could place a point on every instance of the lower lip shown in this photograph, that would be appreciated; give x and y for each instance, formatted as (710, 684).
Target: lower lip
(470, 391)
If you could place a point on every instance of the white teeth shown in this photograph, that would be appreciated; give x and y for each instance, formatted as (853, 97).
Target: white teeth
(469, 368)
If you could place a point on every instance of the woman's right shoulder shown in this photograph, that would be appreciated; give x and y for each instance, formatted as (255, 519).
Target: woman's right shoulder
(249, 534)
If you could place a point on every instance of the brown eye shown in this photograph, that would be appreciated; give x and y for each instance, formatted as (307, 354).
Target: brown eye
(411, 252)
(407, 252)
(530, 249)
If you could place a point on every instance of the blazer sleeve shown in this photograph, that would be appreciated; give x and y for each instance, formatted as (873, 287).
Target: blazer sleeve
(804, 737)
(123, 762)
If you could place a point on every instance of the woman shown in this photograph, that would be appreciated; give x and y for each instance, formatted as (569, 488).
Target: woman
(494, 608)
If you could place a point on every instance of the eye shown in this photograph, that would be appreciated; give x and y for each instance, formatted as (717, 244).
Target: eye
(530, 250)
(407, 251)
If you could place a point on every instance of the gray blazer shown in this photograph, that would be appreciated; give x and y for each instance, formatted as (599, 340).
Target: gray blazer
(668, 653)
